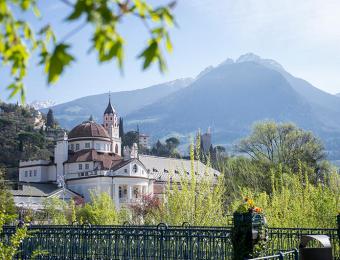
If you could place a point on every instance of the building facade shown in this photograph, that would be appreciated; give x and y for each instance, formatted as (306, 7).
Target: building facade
(89, 160)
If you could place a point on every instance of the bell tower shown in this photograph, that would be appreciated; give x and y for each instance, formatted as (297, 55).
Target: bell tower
(111, 124)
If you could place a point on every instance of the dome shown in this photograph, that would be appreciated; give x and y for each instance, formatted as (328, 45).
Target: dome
(88, 129)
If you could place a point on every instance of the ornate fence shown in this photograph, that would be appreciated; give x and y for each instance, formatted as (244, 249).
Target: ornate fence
(152, 242)
(288, 238)
(127, 242)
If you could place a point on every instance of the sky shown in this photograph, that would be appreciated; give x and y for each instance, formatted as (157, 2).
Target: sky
(303, 36)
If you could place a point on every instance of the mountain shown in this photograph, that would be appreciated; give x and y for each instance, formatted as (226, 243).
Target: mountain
(40, 104)
(234, 95)
(72, 113)
(229, 98)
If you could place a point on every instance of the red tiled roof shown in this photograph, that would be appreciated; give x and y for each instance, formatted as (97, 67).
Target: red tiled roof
(88, 129)
(108, 160)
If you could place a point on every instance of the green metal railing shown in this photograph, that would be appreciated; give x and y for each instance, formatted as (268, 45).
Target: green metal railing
(127, 242)
(283, 239)
(160, 242)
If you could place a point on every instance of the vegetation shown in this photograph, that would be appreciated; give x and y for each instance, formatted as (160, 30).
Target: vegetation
(283, 144)
(19, 41)
(50, 121)
(167, 149)
(19, 140)
(7, 203)
(10, 249)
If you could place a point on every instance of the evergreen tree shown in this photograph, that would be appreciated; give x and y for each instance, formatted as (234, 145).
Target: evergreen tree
(50, 118)
(121, 134)
(121, 127)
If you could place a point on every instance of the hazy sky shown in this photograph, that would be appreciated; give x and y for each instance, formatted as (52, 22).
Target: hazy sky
(304, 36)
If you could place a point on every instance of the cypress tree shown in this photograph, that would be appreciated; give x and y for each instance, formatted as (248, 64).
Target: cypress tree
(50, 118)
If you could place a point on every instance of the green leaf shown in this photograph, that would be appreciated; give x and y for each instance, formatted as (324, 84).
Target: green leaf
(168, 43)
(149, 54)
(58, 61)
(15, 88)
(78, 10)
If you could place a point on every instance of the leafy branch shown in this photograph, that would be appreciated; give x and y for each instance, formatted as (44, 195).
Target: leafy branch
(18, 41)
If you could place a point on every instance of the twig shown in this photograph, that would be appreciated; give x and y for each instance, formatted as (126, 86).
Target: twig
(67, 2)
(73, 32)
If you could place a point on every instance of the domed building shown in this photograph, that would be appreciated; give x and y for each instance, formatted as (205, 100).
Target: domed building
(89, 160)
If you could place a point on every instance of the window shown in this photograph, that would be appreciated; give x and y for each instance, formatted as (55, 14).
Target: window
(125, 170)
(120, 192)
(87, 145)
(80, 166)
(26, 173)
(30, 173)
(35, 172)
(135, 168)
(72, 147)
(97, 146)
(116, 149)
(87, 166)
(77, 147)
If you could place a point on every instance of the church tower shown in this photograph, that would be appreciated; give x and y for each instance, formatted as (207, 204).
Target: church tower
(111, 124)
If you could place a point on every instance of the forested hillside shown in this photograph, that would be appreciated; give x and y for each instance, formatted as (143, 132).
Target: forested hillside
(21, 136)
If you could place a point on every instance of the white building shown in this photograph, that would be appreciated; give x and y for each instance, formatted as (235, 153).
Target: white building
(144, 140)
(89, 160)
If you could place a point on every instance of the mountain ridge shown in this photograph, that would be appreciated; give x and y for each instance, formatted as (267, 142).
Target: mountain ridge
(228, 97)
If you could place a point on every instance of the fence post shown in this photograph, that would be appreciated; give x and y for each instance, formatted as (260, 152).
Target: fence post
(338, 220)
(281, 256)
(248, 235)
(296, 254)
(242, 236)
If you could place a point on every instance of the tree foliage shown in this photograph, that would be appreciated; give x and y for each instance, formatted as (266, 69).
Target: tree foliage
(167, 149)
(8, 250)
(19, 40)
(18, 138)
(282, 143)
(50, 119)
(294, 202)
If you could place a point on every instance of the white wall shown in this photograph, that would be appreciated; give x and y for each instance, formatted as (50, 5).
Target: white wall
(61, 155)
(37, 173)
(99, 145)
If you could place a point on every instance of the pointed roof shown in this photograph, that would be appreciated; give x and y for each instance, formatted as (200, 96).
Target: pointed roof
(109, 109)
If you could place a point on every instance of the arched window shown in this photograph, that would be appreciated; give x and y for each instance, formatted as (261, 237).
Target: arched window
(116, 148)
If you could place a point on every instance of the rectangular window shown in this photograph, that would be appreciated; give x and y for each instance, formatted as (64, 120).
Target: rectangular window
(26, 173)
(30, 173)
(87, 145)
(98, 146)
(35, 172)
(72, 147)
(87, 166)
(77, 147)
(80, 166)
(125, 170)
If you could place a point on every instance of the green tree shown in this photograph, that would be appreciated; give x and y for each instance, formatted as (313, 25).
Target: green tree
(172, 143)
(19, 41)
(130, 138)
(50, 119)
(10, 249)
(295, 202)
(7, 203)
(282, 144)
(102, 211)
